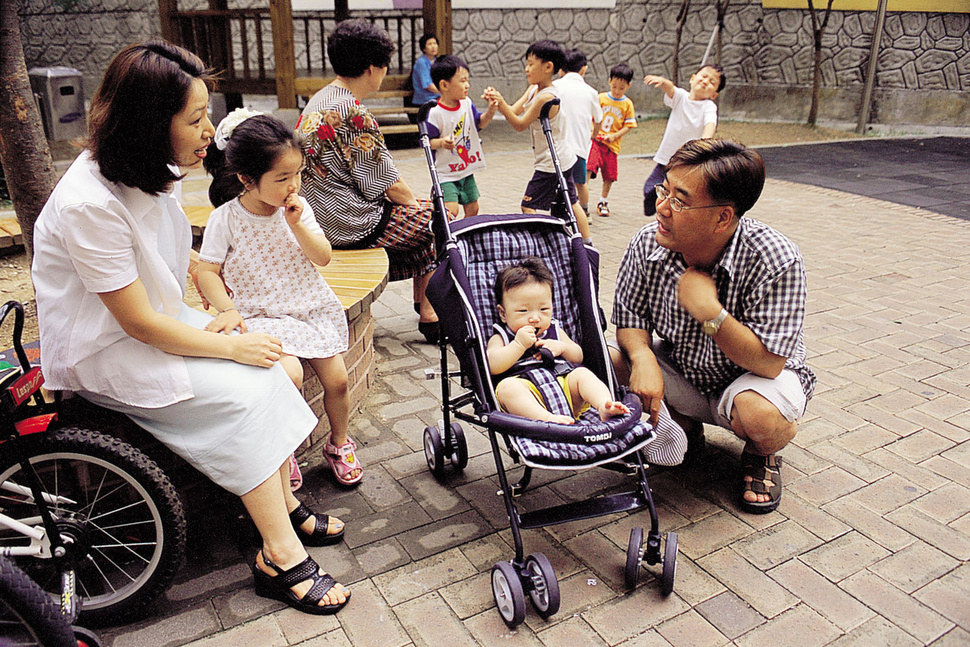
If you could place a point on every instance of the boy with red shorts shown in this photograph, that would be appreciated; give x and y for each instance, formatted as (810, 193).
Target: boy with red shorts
(618, 119)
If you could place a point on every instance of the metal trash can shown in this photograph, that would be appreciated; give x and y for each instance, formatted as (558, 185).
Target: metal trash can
(61, 101)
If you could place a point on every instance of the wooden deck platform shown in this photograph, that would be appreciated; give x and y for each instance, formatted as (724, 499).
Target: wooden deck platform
(10, 233)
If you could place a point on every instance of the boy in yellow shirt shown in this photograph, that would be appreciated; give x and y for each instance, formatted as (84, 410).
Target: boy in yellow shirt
(618, 119)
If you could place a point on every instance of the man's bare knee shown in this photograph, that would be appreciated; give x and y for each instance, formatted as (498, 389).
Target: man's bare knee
(757, 420)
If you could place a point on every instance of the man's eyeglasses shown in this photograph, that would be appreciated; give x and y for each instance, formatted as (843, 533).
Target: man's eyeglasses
(663, 193)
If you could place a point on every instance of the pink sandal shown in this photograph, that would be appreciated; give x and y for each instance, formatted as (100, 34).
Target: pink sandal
(343, 461)
(296, 477)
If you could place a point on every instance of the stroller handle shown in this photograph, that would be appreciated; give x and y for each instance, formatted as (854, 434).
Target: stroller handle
(423, 117)
(547, 106)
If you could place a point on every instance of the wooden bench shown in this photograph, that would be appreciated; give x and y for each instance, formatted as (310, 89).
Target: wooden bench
(10, 233)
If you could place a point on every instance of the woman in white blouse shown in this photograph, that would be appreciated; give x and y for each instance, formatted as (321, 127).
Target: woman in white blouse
(111, 256)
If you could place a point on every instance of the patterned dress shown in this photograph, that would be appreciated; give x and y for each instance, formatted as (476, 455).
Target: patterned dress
(275, 286)
(348, 171)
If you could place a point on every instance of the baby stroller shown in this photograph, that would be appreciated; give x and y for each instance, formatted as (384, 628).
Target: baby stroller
(471, 252)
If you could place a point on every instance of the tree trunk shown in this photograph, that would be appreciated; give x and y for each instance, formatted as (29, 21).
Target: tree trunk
(681, 21)
(24, 152)
(818, 30)
(722, 7)
(816, 82)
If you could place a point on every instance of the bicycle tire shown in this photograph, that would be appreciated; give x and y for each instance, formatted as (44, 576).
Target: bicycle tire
(122, 563)
(28, 615)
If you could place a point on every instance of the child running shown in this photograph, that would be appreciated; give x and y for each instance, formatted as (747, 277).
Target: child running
(543, 59)
(619, 118)
(453, 127)
(693, 115)
(523, 292)
(264, 240)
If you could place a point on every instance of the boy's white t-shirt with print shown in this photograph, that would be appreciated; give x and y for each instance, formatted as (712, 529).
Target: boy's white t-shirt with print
(686, 122)
(461, 123)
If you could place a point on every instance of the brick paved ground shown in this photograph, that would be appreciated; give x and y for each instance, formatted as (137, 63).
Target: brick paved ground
(870, 544)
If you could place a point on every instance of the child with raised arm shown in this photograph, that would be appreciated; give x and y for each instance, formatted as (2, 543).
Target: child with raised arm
(453, 126)
(543, 59)
(619, 118)
(261, 242)
(523, 292)
(693, 115)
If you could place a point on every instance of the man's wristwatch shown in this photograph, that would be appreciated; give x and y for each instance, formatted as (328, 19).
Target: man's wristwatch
(711, 326)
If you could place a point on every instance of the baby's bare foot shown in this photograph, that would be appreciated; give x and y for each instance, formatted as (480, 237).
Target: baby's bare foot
(611, 409)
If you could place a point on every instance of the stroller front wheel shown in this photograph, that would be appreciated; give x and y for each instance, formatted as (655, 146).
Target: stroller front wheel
(670, 564)
(508, 593)
(634, 557)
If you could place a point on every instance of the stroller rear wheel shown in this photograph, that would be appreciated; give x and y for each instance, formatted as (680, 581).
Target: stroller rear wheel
(437, 449)
(508, 593)
(634, 557)
(670, 564)
(544, 589)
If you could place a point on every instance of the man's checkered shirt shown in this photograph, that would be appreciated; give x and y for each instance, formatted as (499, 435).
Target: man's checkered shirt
(760, 281)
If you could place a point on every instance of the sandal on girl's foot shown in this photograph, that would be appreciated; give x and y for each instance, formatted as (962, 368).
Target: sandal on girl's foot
(277, 587)
(296, 476)
(765, 478)
(319, 536)
(343, 461)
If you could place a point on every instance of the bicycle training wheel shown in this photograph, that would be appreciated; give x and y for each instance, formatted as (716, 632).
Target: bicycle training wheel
(28, 615)
(121, 516)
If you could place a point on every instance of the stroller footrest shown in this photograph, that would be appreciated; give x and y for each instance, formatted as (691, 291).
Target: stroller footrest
(609, 504)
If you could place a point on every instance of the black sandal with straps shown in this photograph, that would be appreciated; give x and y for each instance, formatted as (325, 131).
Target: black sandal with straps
(319, 536)
(765, 473)
(277, 587)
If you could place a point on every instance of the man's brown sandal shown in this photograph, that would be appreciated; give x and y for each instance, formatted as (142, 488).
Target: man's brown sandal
(765, 473)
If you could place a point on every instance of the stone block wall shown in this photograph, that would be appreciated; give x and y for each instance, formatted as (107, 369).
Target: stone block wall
(86, 38)
(923, 75)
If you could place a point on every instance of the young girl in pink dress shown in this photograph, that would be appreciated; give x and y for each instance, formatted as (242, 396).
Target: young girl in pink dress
(257, 264)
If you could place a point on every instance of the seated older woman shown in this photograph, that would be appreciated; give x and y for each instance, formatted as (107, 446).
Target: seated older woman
(350, 180)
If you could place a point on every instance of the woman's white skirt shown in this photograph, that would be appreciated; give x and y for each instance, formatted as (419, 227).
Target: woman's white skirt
(241, 425)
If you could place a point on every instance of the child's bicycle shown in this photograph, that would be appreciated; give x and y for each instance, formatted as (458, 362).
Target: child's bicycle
(88, 517)
(28, 615)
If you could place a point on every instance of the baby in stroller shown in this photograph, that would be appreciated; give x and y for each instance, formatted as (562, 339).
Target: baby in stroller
(535, 359)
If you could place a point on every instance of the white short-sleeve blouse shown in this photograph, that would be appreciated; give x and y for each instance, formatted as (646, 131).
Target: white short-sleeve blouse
(92, 237)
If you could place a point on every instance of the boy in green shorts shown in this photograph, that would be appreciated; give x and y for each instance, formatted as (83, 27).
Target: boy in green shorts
(453, 126)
